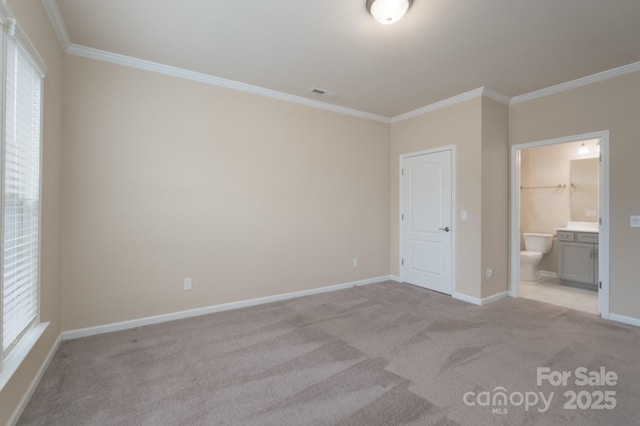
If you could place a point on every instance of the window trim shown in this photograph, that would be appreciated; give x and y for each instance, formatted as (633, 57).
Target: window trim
(11, 361)
(19, 352)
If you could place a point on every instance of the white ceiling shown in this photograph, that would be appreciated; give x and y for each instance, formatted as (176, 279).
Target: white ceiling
(440, 49)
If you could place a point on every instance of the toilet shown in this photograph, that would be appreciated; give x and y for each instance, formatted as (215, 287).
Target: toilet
(536, 245)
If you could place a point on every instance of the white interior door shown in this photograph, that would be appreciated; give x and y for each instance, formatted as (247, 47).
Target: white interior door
(426, 188)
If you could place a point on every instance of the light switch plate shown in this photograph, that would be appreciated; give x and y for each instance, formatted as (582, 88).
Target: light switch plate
(635, 221)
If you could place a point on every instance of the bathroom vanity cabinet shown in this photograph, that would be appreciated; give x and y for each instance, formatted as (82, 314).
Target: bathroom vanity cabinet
(578, 258)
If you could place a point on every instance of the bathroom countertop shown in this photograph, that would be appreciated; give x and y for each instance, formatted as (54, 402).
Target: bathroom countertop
(591, 230)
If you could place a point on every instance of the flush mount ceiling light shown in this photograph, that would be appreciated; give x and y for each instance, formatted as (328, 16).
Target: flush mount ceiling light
(388, 11)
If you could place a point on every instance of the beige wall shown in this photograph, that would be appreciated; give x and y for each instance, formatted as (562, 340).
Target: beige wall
(495, 197)
(478, 129)
(166, 178)
(608, 105)
(546, 209)
(458, 125)
(32, 18)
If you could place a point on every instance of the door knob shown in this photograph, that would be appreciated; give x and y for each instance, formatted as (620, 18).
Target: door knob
(445, 229)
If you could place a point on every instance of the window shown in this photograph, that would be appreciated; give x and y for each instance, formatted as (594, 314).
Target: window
(19, 195)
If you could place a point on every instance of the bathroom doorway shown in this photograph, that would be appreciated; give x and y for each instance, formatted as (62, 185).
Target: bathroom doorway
(559, 189)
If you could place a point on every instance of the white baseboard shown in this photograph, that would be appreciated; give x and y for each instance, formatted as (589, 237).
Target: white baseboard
(477, 301)
(548, 274)
(465, 298)
(13, 420)
(495, 297)
(624, 319)
(125, 325)
(368, 281)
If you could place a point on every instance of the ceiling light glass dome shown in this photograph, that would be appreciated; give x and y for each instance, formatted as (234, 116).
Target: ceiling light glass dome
(388, 11)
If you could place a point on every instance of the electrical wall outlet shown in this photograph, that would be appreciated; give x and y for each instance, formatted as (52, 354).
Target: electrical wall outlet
(187, 283)
(635, 221)
(489, 273)
(355, 262)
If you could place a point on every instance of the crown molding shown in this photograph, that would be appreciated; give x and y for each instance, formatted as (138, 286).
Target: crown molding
(438, 105)
(60, 28)
(472, 94)
(594, 78)
(51, 7)
(128, 61)
(495, 95)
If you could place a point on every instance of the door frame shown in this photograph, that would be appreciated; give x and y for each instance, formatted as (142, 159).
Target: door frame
(603, 206)
(452, 149)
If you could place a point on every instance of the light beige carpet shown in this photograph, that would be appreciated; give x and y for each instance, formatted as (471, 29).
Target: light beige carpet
(384, 354)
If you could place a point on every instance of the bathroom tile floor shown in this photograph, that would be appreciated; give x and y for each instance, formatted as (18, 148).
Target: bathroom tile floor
(549, 290)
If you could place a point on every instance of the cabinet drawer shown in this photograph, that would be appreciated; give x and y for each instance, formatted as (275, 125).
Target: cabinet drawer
(587, 237)
(565, 236)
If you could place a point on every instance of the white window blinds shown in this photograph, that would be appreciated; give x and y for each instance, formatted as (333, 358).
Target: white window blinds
(21, 195)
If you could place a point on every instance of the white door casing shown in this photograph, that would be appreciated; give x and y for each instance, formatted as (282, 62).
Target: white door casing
(603, 209)
(426, 186)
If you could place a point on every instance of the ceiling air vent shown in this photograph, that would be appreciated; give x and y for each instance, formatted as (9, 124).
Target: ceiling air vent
(322, 92)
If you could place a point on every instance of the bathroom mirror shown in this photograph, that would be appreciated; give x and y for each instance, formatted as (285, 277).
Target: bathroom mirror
(584, 190)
